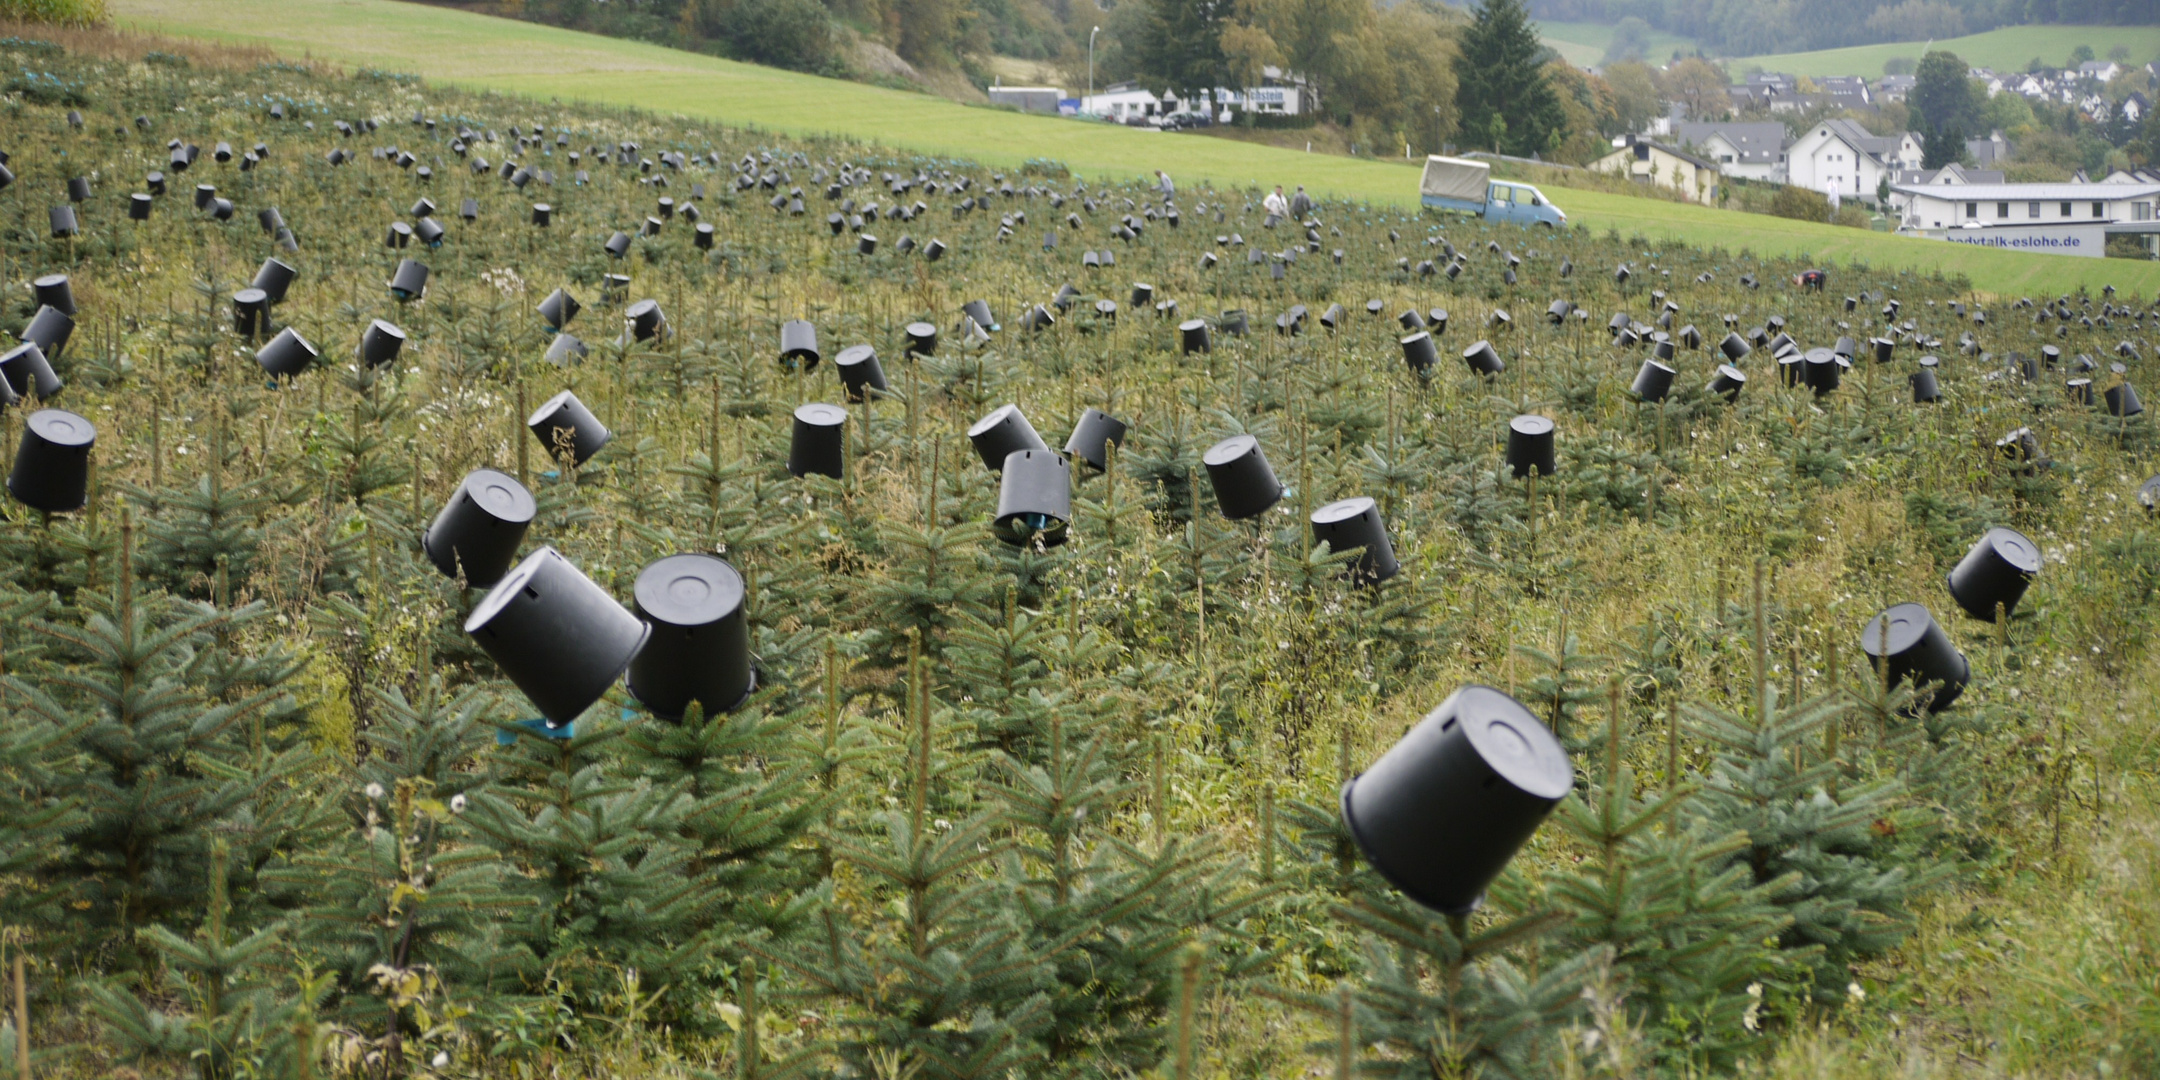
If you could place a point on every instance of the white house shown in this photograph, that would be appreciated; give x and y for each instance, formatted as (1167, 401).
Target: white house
(1122, 102)
(1841, 156)
(1937, 207)
(1748, 151)
(2099, 70)
(1278, 94)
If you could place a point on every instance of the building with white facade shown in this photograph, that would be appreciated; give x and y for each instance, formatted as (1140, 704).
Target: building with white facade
(1122, 102)
(1936, 208)
(1841, 156)
(1747, 151)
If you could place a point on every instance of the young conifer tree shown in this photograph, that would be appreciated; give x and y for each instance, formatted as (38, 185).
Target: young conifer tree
(745, 796)
(930, 969)
(599, 854)
(193, 531)
(162, 758)
(1685, 926)
(1109, 916)
(1776, 779)
(229, 983)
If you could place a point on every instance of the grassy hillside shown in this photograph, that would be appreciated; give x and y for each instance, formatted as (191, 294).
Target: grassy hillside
(1036, 779)
(2009, 48)
(1584, 44)
(545, 63)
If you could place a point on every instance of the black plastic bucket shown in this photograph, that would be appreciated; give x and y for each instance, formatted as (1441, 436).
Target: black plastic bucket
(1995, 570)
(1653, 381)
(700, 645)
(566, 420)
(287, 355)
(479, 529)
(799, 344)
(819, 440)
(558, 309)
(1728, 382)
(1530, 446)
(1003, 432)
(1034, 498)
(274, 278)
(1905, 638)
(560, 638)
(1244, 483)
(25, 370)
(860, 371)
(1483, 360)
(52, 465)
(1444, 810)
(1092, 437)
(1355, 523)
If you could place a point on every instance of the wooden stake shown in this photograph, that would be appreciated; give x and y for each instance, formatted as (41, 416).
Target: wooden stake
(22, 1020)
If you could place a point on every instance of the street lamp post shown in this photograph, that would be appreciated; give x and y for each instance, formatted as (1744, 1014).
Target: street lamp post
(1091, 62)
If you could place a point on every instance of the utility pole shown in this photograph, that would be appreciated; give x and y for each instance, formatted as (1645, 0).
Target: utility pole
(1091, 65)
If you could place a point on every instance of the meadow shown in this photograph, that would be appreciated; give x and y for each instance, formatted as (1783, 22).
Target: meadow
(1009, 784)
(1584, 44)
(454, 48)
(2004, 49)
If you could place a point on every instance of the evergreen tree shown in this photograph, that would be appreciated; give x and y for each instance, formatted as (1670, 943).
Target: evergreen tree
(1443, 1000)
(1507, 104)
(36, 751)
(744, 800)
(936, 973)
(404, 905)
(163, 756)
(1684, 924)
(1182, 49)
(227, 981)
(193, 532)
(1827, 845)
(1942, 96)
(599, 855)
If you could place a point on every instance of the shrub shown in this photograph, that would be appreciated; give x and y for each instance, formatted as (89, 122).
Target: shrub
(62, 12)
(1799, 204)
(784, 33)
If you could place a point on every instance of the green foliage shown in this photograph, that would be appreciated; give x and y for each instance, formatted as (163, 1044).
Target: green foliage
(1506, 103)
(1799, 204)
(62, 12)
(990, 808)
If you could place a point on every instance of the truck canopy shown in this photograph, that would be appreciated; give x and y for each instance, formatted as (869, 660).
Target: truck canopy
(1454, 178)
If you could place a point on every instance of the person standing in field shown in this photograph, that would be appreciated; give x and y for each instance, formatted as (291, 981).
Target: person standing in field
(1169, 190)
(1300, 203)
(1276, 205)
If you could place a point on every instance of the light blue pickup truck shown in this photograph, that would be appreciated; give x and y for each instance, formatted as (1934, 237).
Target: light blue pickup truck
(1467, 187)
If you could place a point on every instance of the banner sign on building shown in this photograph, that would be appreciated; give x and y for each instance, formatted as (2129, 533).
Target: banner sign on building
(2089, 241)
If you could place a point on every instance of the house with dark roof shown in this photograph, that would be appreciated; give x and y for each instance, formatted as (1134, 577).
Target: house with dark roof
(1766, 90)
(1846, 92)
(1988, 151)
(1841, 157)
(1949, 175)
(1748, 151)
(1666, 166)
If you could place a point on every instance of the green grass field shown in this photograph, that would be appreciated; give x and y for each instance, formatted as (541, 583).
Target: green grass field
(478, 52)
(1584, 44)
(2006, 49)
